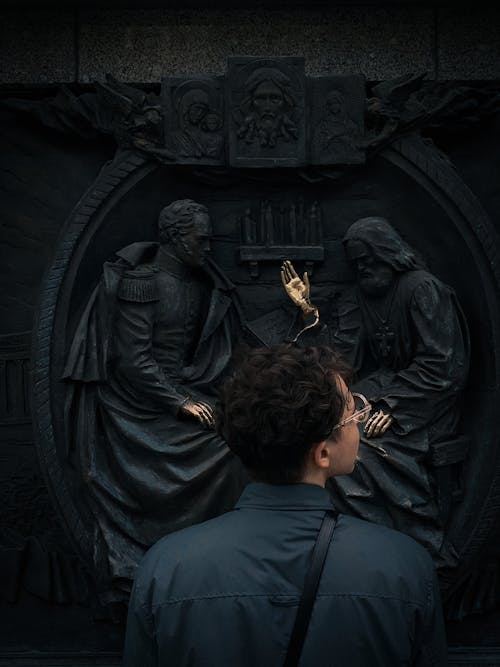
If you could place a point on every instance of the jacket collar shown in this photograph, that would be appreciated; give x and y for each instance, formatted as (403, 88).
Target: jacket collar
(287, 497)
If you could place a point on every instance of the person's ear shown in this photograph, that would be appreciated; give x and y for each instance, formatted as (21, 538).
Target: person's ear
(321, 454)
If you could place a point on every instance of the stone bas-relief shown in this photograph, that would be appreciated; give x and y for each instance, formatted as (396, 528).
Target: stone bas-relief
(267, 110)
(278, 230)
(263, 109)
(298, 224)
(337, 120)
(406, 339)
(336, 132)
(154, 341)
(265, 126)
(194, 120)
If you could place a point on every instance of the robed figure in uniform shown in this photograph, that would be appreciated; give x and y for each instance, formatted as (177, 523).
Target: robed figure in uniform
(406, 339)
(144, 366)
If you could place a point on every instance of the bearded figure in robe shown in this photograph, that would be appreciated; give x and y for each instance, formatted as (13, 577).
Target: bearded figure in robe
(406, 339)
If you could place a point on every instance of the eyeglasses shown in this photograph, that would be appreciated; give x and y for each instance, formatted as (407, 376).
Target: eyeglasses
(362, 409)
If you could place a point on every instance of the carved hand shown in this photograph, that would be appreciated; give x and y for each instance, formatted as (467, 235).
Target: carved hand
(377, 424)
(200, 411)
(298, 290)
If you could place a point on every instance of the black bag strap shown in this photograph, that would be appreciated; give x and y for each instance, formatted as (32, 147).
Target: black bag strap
(310, 589)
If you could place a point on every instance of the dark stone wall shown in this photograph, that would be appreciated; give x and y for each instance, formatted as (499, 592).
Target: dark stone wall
(379, 40)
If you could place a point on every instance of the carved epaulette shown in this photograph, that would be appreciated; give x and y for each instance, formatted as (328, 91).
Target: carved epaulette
(139, 285)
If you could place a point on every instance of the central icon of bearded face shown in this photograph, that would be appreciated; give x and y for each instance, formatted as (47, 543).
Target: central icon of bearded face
(266, 107)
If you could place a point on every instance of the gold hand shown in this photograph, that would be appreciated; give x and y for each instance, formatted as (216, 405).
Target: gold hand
(298, 290)
(200, 411)
(378, 424)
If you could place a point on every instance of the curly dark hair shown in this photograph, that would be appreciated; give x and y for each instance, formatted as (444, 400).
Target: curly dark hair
(277, 403)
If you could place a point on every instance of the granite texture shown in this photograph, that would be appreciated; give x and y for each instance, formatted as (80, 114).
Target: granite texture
(145, 45)
(469, 43)
(37, 46)
(49, 46)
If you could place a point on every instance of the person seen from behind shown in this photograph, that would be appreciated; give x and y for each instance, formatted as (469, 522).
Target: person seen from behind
(227, 591)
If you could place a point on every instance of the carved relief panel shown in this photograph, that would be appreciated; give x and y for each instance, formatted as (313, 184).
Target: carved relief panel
(299, 136)
(267, 115)
(337, 120)
(194, 120)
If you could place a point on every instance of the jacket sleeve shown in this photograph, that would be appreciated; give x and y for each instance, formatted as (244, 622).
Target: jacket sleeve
(432, 651)
(135, 356)
(140, 645)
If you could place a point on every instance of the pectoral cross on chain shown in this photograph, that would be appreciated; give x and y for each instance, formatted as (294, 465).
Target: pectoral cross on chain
(385, 337)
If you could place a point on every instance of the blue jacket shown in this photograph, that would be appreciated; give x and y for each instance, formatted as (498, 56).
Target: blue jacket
(224, 593)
